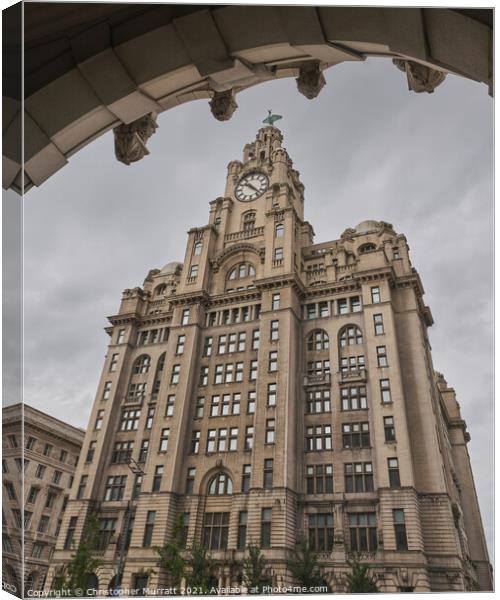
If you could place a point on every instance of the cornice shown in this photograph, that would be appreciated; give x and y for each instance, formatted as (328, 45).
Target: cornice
(124, 319)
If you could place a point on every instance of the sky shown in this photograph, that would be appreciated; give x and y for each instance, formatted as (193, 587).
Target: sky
(366, 148)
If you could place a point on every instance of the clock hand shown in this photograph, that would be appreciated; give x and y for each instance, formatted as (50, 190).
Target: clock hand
(251, 186)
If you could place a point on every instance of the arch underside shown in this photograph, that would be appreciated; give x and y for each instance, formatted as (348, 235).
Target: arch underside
(126, 67)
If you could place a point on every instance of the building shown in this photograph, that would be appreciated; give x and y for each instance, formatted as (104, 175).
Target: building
(269, 388)
(47, 450)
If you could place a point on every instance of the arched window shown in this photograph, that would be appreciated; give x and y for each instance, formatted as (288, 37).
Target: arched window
(279, 230)
(249, 220)
(197, 248)
(160, 289)
(142, 364)
(29, 582)
(350, 336)
(161, 363)
(242, 271)
(365, 248)
(318, 340)
(220, 485)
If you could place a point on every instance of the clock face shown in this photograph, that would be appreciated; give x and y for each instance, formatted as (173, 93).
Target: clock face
(251, 186)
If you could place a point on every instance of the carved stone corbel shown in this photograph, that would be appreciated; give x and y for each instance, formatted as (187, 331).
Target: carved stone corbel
(131, 138)
(223, 105)
(420, 78)
(311, 80)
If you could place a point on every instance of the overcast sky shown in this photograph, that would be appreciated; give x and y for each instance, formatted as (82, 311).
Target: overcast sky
(366, 148)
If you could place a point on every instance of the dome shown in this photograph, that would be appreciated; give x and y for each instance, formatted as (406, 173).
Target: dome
(366, 226)
(171, 268)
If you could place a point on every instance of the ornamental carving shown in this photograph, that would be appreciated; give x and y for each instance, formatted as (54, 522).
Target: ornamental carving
(223, 105)
(131, 138)
(420, 77)
(311, 80)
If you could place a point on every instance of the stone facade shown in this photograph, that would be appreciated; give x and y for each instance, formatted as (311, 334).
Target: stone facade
(268, 388)
(49, 450)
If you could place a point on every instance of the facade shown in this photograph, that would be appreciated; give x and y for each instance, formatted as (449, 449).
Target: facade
(47, 450)
(269, 388)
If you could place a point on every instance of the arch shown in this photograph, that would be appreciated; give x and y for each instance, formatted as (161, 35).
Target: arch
(366, 248)
(160, 290)
(248, 220)
(350, 335)
(242, 270)
(197, 246)
(279, 230)
(220, 485)
(317, 340)
(142, 364)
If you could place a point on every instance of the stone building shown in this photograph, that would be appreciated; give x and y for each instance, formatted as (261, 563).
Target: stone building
(47, 450)
(268, 388)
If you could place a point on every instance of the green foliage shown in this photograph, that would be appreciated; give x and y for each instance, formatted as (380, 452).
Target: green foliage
(201, 568)
(304, 565)
(360, 580)
(171, 556)
(75, 574)
(254, 566)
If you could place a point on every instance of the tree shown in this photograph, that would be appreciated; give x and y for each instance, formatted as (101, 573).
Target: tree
(304, 565)
(171, 556)
(360, 580)
(75, 576)
(201, 568)
(254, 566)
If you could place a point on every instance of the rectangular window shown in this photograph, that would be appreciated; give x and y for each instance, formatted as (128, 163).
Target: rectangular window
(318, 401)
(143, 452)
(203, 376)
(265, 527)
(193, 271)
(32, 496)
(249, 437)
(352, 364)
(253, 370)
(215, 530)
(99, 419)
(43, 525)
(318, 368)
(385, 391)
(136, 392)
(270, 431)
(51, 497)
(271, 394)
(106, 532)
(245, 478)
(185, 316)
(389, 431)
(242, 337)
(311, 311)
(91, 451)
(233, 439)
(242, 529)
(30, 443)
(268, 473)
(321, 532)
(150, 417)
(255, 339)
(70, 533)
(238, 375)
(211, 439)
(81, 487)
(183, 536)
(12, 441)
(122, 452)
(191, 474)
(278, 254)
(355, 435)
(274, 333)
(148, 529)
(165, 433)
(219, 371)
(115, 487)
(106, 390)
(358, 477)
(113, 363)
(222, 440)
(231, 345)
(121, 336)
(174, 378)
(355, 304)
(363, 532)
(251, 403)
(381, 356)
(136, 490)
(229, 373)
(318, 437)
(195, 442)
(378, 324)
(158, 474)
(393, 467)
(200, 402)
(169, 409)
(342, 306)
(273, 361)
(323, 309)
(222, 344)
(319, 479)
(275, 304)
(398, 515)
(40, 471)
(375, 292)
(181, 341)
(47, 449)
(353, 398)
(207, 346)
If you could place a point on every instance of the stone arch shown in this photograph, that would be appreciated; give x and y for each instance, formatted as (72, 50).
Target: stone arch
(118, 68)
(213, 472)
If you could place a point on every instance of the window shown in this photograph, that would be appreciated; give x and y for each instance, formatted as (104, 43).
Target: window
(351, 336)
(249, 437)
(265, 527)
(197, 248)
(319, 479)
(113, 363)
(378, 324)
(207, 346)
(318, 368)
(253, 370)
(81, 487)
(353, 398)
(355, 304)
(233, 439)
(222, 344)
(150, 417)
(389, 431)
(239, 372)
(40, 471)
(318, 437)
(37, 550)
(27, 518)
(318, 340)
(220, 485)
(174, 377)
(242, 529)
(30, 443)
(169, 409)
(195, 442)
(279, 230)
(142, 364)
(321, 532)
(245, 478)
(136, 392)
(251, 403)
(185, 316)
(70, 533)
(115, 486)
(7, 544)
(17, 517)
(148, 529)
(366, 248)
(356, 435)
(63, 455)
(5, 468)
(274, 334)
(179, 349)
(99, 420)
(275, 303)
(358, 477)
(143, 452)
(191, 474)
(242, 271)
(248, 220)
(398, 516)
(122, 452)
(255, 339)
(268, 474)
(342, 306)
(318, 401)
(11, 492)
(375, 292)
(43, 524)
(385, 391)
(381, 356)
(363, 532)
(91, 451)
(270, 431)
(183, 535)
(352, 364)
(278, 254)
(271, 394)
(395, 253)
(393, 467)
(121, 336)
(136, 490)
(272, 365)
(203, 376)
(200, 402)
(165, 433)
(219, 371)
(106, 532)
(157, 478)
(12, 441)
(193, 272)
(215, 530)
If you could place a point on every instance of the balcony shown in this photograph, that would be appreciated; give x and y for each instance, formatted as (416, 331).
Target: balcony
(352, 376)
(243, 235)
(313, 275)
(137, 400)
(317, 379)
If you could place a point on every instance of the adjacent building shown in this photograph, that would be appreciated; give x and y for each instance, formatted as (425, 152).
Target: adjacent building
(269, 388)
(39, 456)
